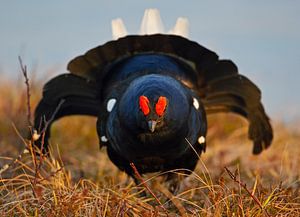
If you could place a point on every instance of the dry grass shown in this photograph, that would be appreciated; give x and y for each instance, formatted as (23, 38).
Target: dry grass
(79, 180)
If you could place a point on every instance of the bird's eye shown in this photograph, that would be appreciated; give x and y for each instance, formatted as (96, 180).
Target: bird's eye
(144, 105)
(161, 105)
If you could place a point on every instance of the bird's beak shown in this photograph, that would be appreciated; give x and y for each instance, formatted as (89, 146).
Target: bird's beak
(151, 125)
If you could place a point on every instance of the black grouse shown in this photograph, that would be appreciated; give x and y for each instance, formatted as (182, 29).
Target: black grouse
(151, 95)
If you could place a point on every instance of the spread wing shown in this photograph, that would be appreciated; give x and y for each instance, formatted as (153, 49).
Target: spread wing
(66, 94)
(228, 91)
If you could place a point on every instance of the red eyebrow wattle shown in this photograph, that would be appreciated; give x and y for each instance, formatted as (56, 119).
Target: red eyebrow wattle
(161, 105)
(144, 105)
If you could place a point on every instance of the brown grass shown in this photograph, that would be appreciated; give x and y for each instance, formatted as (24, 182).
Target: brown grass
(79, 180)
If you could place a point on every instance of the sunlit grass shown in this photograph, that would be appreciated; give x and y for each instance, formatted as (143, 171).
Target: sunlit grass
(78, 179)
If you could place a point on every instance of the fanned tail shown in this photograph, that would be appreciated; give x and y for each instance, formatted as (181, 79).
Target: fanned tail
(217, 81)
(64, 95)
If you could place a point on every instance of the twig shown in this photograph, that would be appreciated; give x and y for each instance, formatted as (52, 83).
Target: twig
(36, 166)
(24, 71)
(138, 176)
(48, 122)
(244, 186)
(61, 102)
(43, 133)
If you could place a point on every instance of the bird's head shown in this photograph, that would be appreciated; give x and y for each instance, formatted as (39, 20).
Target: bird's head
(153, 111)
(154, 104)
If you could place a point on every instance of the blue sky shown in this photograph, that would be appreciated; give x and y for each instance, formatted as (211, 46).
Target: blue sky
(261, 37)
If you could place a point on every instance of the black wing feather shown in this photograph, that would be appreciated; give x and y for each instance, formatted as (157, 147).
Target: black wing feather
(64, 95)
(239, 95)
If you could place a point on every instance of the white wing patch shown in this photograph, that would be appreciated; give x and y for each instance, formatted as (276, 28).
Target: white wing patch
(103, 139)
(196, 103)
(201, 139)
(110, 104)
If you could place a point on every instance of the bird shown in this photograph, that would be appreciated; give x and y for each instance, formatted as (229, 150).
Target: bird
(151, 95)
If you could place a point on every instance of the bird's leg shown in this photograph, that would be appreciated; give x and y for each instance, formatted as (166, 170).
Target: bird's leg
(136, 180)
(139, 183)
(173, 182)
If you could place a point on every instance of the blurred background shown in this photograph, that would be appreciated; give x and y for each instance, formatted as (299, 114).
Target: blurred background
(261, 37)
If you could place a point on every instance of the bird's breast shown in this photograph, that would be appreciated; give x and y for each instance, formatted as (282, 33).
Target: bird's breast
(150, 164)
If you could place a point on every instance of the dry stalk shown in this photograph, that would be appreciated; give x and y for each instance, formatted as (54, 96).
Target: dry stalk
(30, 146)
(173, 199)
(52, 174)
(38, 164)
(24, 71)
(140, 178)
(244, 186)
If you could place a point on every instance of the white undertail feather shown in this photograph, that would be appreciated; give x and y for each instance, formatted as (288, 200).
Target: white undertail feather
(103, 139)
(118, 28)
(181, 27)
(151, 24)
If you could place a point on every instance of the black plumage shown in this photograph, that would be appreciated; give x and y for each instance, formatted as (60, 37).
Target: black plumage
(151, 95)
